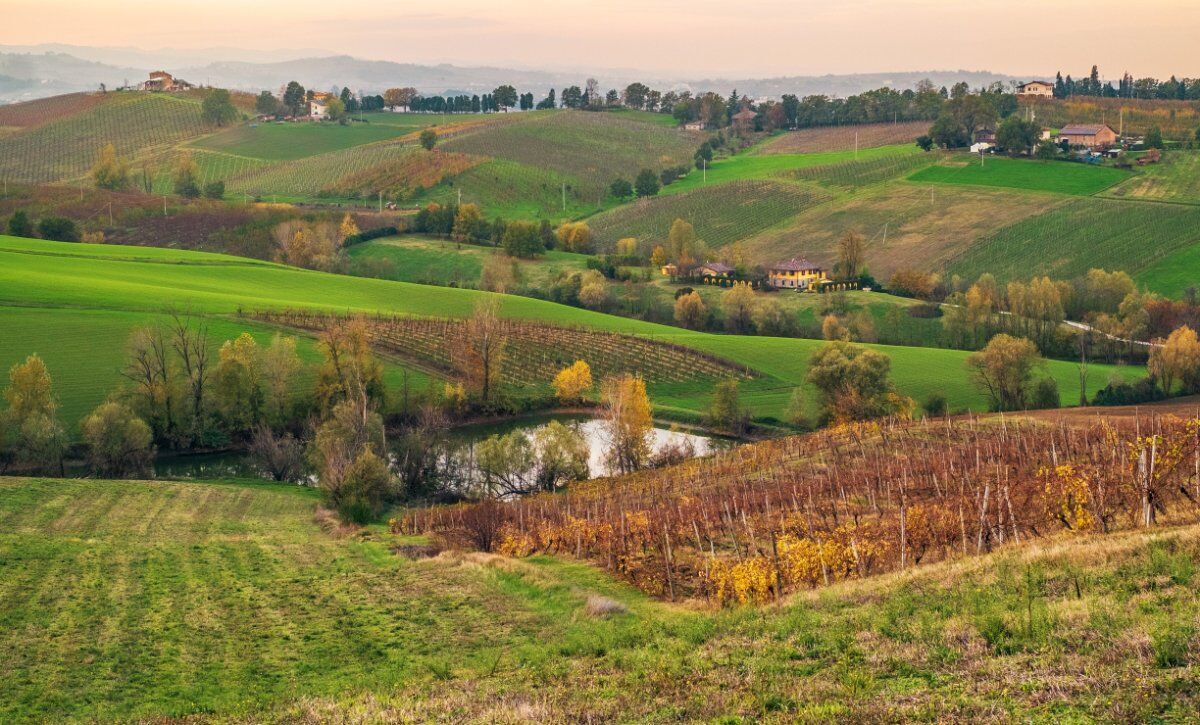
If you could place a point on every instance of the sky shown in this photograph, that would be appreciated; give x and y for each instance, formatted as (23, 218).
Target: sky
(690, 38)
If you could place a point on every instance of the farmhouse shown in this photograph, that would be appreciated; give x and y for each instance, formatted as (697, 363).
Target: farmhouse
(1036, 88)
(716, 269)
(694, 126)
(1088, 136)
(795, 273)
(162, 81)
(670, 269)
(744, 119)
(318, 105)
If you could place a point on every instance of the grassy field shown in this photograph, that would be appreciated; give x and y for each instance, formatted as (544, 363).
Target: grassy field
(744, 167)
(37, 274)
(129, 600)
(288, 141)
(1070, 239)
(1057, 176)
(842, 138)
(442, 262)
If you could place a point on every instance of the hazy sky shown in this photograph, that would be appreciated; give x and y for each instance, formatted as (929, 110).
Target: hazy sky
(688, 37)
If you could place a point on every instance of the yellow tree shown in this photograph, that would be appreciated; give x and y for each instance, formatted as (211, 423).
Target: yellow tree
(480, 352)
(575, 237)
(690, 310)
(237, 383)
(738, 305)
(628, 422)
(466, 222)
(348, 228)
(573, 382)
(659, 256)
(109, 171)
(349, 370)
(627, 247)
(1176, 359)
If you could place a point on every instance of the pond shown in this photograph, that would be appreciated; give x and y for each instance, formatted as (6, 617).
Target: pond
(461, 443)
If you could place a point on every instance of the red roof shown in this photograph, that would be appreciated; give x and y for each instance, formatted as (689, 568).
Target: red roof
(795, 264)
(1076, 129)
(744, 115)
(718, 267)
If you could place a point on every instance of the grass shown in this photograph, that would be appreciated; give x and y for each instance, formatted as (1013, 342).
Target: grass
(1070, 239)
(768, 166)
(1057, 176)
(289, 141)
(842, 138)
(150, 601)
(515, 190)
(36, 273)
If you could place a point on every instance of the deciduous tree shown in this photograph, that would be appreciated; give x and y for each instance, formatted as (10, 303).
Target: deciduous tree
(627, 422)
(573, 382)
(1003, 371)
(119, 443)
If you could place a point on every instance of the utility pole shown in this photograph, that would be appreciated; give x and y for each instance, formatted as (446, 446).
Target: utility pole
(381, 201)
(856, 144)
(704, 170)
(460, 197)
(164, 204)
(564, 196)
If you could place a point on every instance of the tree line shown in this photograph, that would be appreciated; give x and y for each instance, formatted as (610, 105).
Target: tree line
(1147, 88)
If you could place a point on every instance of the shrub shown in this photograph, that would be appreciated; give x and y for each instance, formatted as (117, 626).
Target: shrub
(364, 488)
(19, 224)
(214, 190)
(935, 405)
(1045, 394)
(58, 229)
(369, 235)
(119, 443)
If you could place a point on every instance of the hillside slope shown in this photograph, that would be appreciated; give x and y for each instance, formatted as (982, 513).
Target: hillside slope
(131, 600)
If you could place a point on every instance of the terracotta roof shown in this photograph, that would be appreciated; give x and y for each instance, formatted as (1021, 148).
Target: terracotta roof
(1036, 83)
(717, 267)
(795, 264)
(1076, 129)
(744, 115)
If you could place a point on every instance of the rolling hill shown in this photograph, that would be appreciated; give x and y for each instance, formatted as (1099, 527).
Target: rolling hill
(125, 284)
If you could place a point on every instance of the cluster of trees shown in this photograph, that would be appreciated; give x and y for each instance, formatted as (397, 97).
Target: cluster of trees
(965, 113)
(1181, 89)
(54, 228)
(315, 243)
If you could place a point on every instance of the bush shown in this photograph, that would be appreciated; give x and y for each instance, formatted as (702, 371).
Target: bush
(1045, 394)
(1119, 392)
(935, 405)
(119, 443)
(19, 224)
(364, 488)
(214, 190)
(369, 235)
(58, 229)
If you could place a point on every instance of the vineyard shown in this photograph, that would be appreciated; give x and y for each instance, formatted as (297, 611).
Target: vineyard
(290, 141)
(1177, 119)
(1071, 239)
(853, 175)
(762, 520)
(843, 138)
(590, 148)
(533, 352)
(721, 213)
(31, 114)
(65, 149)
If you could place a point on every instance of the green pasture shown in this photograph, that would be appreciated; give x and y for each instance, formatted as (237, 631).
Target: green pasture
(289, 141)
(745, 167)
(1176, 178)
(67, 277)
(444, 262)
(1058, 176)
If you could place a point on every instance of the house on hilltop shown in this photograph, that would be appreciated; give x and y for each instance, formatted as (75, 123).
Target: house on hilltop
(318, 105)
(1089, 136)
(1039, 89)
(695, 126)
(716, 269)
(163, 82)
(743, 120)
(796, 273)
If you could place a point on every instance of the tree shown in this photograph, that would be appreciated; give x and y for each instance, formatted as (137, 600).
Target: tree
(217, 108)
(353, 428)
(574, 237)
(347, 228)
(237, 385)
(522, 239)
(703, 156)
(635, 95)
(119, 443)
(1046, 151)
(335, 110)
(280, 365)
(1003, 370)
(499, 273)
(620, 189)
(349, 369)
(214, 190)
(428, 139)
(58, 229)
(628, 422)
(658, 257)
(1154, 139)
(851, 256)
(726, 411)
(562, 455)
(593, 290)
(947, 132)
(682, 245)
(468, 223)
(266, 104)
(294, 98)
(480, 352)
(853, 383)
(573, 382)
(109, 172)
(506, 464)
(646, 183)
(1016, 135)
(19, 224)
(184, 177)
(1176, 359)
(279, 456)
(504, 97)
(738, 305)
(690, 311)
(925, 142)
(32, 434)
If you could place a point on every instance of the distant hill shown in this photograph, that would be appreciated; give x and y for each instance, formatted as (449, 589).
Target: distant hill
(44, 70)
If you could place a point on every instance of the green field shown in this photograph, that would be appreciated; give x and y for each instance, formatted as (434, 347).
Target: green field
(1058, 176)
(288, 141)
(69, 277)
(442, 262)
(744, 167)
(1071, 239)
(145, 601)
